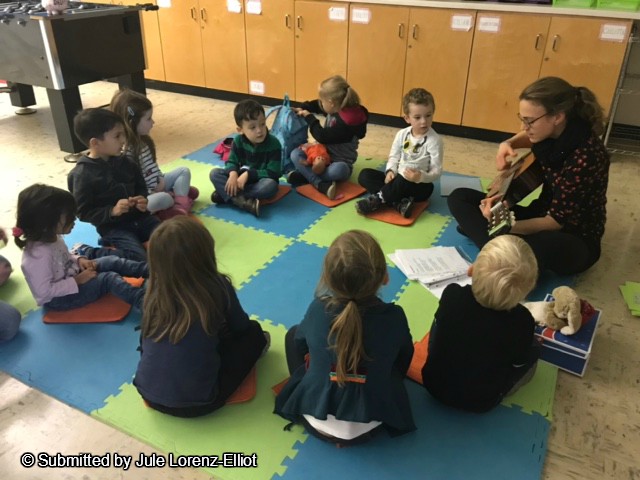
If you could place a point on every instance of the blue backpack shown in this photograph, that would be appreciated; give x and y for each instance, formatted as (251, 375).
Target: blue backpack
(290, 128)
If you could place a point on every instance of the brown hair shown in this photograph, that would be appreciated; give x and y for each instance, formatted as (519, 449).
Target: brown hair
(184, 283)
(556, 95)
(353, 272)
(504, 273)
(417, 96)
(337, 90)
(132, 106)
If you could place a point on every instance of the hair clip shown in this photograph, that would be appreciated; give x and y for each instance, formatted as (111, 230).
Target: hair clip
(17, 232)
(131, 112)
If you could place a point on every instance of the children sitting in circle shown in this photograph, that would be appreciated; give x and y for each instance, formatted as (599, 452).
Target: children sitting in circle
(359, 349)
(253, 169)
(481, 343)
(415, 161)
(344, 127)
(170, 193)
(108, 187)
(58, 279)
(197, 343)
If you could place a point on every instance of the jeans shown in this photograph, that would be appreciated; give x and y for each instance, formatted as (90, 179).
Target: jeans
(177, 181)
(128, 237)
(109, 280)
(9, 321)
(561, 252)
(396, 189)
(335, 172)
(262, 189)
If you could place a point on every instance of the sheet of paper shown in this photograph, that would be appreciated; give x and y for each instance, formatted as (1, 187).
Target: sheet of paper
(438, 288)
(430, 265)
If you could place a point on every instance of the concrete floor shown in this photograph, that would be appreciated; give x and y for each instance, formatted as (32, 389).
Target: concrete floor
(595, 432)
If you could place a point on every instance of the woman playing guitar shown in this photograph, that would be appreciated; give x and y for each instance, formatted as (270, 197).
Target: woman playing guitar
(562, 125)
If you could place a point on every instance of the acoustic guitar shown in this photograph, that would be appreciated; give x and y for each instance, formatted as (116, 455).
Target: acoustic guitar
(512, 185)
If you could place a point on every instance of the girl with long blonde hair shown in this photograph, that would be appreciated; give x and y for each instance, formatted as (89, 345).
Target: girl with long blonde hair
(349, 355)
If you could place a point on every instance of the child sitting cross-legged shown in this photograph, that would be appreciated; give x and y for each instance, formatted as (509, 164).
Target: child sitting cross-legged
(58, 279)
(359, 349)
(254, 164)
(481, 345)
(415, 161)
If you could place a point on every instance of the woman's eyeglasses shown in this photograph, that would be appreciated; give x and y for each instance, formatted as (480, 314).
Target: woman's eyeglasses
(527, 123)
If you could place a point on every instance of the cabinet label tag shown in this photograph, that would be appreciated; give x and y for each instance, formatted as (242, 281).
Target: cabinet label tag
(613, 32)
(234, 6)
(256, 87)
(360, 15)
(461, 22)
(254, 7)
(489, 24)
(164, 3)
(337, 14)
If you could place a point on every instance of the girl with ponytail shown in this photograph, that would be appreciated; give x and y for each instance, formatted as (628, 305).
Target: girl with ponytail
(349, 355)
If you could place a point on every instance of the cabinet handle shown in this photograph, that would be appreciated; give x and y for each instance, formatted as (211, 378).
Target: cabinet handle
(299, 22)
(287, 20)
(538, 37)
(556, 39)
(401, 30)
(194, 12)
(203, 14)
(414, 32)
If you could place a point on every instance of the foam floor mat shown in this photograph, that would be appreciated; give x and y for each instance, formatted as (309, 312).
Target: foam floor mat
(274, 261)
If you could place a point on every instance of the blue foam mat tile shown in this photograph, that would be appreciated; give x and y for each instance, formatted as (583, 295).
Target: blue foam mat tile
(280, 293)
(82, 232)
(547, 282)
(289, 216)
(206, 155)
(80, 364)
(438, 203)
(449, 237)
(449, 444)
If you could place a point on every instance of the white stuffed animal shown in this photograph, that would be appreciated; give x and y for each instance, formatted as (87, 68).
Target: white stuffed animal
(563, 313)
(55, 7)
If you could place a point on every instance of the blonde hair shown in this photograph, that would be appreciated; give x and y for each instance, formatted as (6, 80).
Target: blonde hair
(354, 269)
(131, 106)
(504, 273)
(556, 95)
(337, 90)
(184, 283)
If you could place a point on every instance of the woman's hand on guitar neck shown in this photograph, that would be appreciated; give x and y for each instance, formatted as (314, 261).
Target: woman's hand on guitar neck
(487, 204)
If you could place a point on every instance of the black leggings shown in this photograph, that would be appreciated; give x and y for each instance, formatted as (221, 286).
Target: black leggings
(396, 190)
(560, 252)
(238, 355)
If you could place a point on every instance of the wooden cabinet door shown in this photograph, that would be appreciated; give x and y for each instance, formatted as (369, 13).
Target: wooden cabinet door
(321, 37)
(152, 43)
(587, 52)
(181, 43)
(377, 52)
(223, 46)
(505, 57)
(270, 57)
(438, 54)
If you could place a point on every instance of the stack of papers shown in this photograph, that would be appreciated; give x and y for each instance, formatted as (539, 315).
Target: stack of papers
(434, 268)
(631, 294)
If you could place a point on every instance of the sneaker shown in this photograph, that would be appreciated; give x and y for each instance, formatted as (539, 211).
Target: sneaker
(81, 249)
(267, 337)
(328, 188)
(295, 178)
(368, 205)
(216, 197)
(193, 193)
(405, 207)
(251, 205)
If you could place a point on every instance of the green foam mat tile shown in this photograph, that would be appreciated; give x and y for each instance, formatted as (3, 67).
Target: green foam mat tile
(16, 291)
(420, 306)
(421, 234)
(241, 251)
(248, 427)
(199, 179)
(537, 395)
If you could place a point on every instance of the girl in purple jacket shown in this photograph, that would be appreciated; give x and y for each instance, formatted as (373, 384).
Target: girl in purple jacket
(58, 279)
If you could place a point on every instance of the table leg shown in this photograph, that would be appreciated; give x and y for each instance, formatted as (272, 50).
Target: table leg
(64, 106)
(134, 81)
